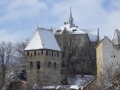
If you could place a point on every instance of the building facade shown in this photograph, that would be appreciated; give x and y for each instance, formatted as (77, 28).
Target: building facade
(83, 38)
(43, 58)
(107, 53)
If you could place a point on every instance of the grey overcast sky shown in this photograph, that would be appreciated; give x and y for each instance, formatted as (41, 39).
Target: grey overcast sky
(19, 18)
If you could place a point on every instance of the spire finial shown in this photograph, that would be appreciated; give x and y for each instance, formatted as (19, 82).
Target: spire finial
(70, 18)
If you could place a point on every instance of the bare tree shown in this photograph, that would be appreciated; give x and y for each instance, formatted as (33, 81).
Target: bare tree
(110, 80)
(77, 54)
(19, 51)
(68, 44)
(6, 55)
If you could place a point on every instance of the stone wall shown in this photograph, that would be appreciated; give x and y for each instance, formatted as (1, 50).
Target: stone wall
(47, 72)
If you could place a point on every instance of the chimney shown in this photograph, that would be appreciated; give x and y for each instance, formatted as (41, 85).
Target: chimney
(76, 26)
(65, 23)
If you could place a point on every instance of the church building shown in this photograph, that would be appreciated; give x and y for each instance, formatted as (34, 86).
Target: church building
(86, 38)
(89, 35)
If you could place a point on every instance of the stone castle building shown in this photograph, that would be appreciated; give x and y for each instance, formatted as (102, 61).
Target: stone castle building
(87, 35)
(86, 38)
(43, 54)
(43, 57)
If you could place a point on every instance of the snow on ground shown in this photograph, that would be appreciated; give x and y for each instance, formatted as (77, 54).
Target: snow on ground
(78, 80)
(74, 81)
(74, 87)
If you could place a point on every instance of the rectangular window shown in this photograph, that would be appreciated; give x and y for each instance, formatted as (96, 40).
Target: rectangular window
(41, 52)
(57, 54)
(28, 53)
(35, 52)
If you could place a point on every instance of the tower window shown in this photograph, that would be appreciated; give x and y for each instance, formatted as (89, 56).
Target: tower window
(31, 65)
(35, 52)
(31, 54)
(49, 63)
(114, 56)
(38, 64)
(55, 65)
(42, 52)
(46, 52)
(52, 53)
(38, 53)
(57, 54)
(28, 53)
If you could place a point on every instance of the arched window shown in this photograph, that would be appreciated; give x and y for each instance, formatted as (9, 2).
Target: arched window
(49, 63)
(31, 65)
(38, 64)
(55, 65)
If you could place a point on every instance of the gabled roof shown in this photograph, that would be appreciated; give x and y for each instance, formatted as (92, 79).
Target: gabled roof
(116, 37)
(43, 39)
(105, 37)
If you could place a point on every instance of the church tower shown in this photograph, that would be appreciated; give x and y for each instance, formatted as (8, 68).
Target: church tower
(43, 57)
(70, 21)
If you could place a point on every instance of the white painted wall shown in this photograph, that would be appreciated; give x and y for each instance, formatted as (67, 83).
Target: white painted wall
(111, 54)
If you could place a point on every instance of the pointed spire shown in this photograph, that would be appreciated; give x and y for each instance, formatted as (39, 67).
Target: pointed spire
(70, 18)
(70, 14)
(116, 37)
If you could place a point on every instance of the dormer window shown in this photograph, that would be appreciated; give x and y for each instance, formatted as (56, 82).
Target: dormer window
(58, 30)
(74, 30)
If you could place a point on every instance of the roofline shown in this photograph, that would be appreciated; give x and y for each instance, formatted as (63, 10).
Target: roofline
(102, 40)
(43, 49)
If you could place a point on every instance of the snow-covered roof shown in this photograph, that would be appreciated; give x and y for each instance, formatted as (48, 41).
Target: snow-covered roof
(43, 39)
(74, 87)
(92, 33)
(71, 30)
(116, 37)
